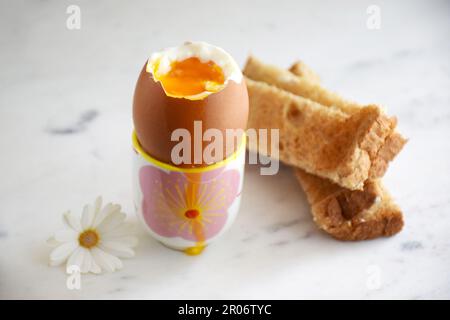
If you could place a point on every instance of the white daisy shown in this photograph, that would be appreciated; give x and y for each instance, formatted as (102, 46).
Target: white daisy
(96, 241)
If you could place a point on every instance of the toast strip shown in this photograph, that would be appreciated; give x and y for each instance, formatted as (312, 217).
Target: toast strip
(286, 80)
(306, 84)
(348, 214)
(351, 215)
(302, 70)
(394, 141)
(323, 141)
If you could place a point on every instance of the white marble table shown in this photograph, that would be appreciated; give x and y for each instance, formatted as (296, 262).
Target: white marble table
(65, 123)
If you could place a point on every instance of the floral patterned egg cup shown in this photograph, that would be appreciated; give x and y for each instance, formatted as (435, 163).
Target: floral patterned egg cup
(187, 209)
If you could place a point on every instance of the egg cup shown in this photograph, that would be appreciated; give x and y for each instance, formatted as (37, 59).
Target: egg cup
(187, 208)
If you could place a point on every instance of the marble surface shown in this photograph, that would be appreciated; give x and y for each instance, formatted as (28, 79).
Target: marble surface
(65, 124)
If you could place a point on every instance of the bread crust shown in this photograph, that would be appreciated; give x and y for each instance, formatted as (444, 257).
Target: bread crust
(299, 68)
(323, 141)
(386, 218)
(351, 215)
(394, 141)
(348, 215)
(286, 80)
(382, 143)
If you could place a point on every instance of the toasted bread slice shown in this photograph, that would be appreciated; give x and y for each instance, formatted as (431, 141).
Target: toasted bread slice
(307, 77)
(347, 214)
(323, 141)
(351, 214)
(302, 70)
(286, 80)
(301, 80)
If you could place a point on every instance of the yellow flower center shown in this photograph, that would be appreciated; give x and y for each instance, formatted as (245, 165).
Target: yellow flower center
(88, 239)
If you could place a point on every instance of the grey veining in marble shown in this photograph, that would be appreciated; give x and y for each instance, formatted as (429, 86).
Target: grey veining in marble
(65, 124)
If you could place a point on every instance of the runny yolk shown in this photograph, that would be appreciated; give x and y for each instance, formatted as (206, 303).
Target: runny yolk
(191, 77)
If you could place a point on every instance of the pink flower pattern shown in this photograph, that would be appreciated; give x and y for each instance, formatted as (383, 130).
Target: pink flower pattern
(192, 206)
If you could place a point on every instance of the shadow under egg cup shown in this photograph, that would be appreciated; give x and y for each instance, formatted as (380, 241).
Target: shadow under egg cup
(187, 208)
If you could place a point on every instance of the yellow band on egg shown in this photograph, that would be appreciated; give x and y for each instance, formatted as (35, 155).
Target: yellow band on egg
(169, 167)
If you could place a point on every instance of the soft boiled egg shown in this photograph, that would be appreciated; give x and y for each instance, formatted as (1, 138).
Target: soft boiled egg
(179, 86)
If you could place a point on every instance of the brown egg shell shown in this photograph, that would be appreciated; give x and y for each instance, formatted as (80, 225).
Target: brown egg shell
(156, 116)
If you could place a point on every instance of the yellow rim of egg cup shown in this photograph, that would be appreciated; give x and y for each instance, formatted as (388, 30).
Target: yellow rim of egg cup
(169, 167)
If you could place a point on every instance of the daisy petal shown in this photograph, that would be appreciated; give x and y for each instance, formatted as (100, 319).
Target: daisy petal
(87, 261)
(55, 263)
(77, 257)
(106, 260)
(117, 248)
(97, 205)
(87, 217)
(71, 221)
(99, 259)
(52, 242)
(63, 251)
(106, 211)
(66, 235)
(95, 268)
(114, 260)
(112, 221)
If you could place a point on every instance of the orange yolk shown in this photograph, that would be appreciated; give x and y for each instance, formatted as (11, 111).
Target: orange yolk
(191, 77)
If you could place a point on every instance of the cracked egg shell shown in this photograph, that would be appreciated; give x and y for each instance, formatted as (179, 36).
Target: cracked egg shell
(157, 115)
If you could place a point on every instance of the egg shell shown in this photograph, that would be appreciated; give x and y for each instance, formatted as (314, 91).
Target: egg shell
(156, 116)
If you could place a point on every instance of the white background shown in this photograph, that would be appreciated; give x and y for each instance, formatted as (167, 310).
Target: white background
(51, 160)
